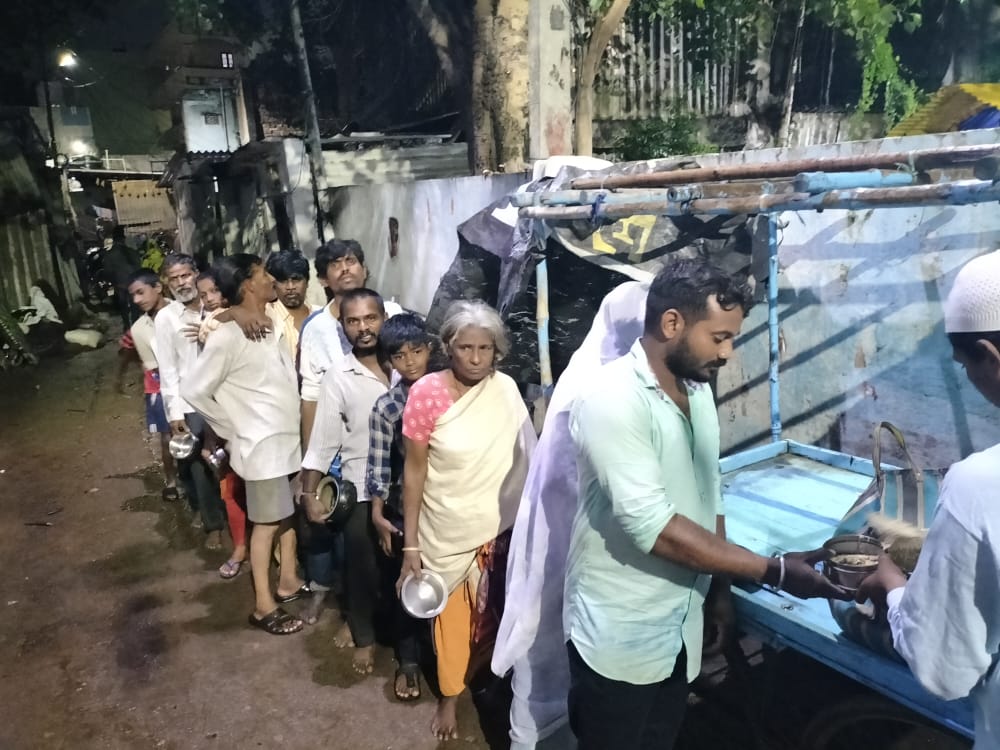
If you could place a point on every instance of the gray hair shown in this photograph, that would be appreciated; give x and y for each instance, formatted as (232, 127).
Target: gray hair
(475, 314)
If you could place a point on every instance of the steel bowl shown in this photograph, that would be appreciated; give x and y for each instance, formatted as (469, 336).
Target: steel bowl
(424, 596)
(847, 575)
(182, 445)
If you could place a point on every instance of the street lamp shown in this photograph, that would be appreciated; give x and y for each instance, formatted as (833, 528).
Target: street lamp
(67, 59)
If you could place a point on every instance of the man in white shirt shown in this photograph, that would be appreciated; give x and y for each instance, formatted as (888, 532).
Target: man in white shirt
(146, 293)
(340, 266)
(348, 393)
(246, 391)
(177, 350)
(945, 620)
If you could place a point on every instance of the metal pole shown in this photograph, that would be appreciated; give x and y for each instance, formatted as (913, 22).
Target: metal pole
(773, 332)
(958, 193)
(919, 160)
(314, 146)
(542, 319)
(53, 145)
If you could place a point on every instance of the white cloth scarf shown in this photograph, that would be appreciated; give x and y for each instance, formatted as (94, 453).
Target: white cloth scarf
(531, 633)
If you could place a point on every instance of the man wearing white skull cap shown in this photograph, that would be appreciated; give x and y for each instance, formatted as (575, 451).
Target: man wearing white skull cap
(945, 620)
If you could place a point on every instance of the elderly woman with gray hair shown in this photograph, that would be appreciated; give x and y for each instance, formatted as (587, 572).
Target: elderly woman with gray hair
(468, 438)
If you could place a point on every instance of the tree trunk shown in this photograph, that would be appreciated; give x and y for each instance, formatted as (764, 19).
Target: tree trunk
(510, 77)
(829, 68)
(600, 36)
(759, 87)
(315, 148)
(500, 85)
(793, 73)
(482, 140)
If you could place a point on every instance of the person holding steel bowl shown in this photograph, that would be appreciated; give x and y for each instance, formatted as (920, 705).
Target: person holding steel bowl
(468, 438)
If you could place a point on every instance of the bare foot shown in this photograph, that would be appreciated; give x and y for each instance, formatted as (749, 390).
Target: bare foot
(313, 609)
(364, 660)
(213, 540)
(444, 725)
(343, 638)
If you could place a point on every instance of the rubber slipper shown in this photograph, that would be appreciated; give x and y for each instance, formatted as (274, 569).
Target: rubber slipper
(230, 569)
(274, 623)
(412, 675)
(284, 599)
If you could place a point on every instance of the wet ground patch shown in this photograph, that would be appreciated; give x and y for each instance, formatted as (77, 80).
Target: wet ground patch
(227, 604)
(132, 564)
(143, 639)
(333, 665)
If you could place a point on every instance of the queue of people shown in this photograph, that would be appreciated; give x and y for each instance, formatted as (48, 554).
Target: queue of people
(585, 564)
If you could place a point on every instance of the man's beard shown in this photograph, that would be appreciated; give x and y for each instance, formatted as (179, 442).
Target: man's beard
(364, 351)
(186, 295)
(684, 366)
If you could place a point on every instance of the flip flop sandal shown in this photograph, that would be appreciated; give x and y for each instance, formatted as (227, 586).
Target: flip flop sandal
(304, 590)
(412, 675)
(170, 494)
(275, 622)
(231, 569)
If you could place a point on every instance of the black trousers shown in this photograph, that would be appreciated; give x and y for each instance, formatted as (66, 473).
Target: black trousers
(407, 631)
(200, 484)
(606, 713)
(361, 574)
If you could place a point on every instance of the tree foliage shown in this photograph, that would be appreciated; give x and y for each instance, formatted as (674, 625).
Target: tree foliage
(677, 134)
(869, 25)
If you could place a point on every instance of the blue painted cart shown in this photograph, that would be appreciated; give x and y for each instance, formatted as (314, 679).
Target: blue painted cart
(786, 496)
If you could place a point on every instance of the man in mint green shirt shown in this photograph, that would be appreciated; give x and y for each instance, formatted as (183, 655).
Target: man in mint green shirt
(649, 532)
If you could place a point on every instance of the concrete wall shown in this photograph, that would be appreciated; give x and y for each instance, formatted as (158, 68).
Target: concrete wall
(861, 323)
(428, 213)
(74, 130)
(210, 122)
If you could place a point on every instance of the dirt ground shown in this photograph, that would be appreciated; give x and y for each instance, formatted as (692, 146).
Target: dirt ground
(117, 632)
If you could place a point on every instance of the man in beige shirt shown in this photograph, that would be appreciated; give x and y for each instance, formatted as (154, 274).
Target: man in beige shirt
(290, 270)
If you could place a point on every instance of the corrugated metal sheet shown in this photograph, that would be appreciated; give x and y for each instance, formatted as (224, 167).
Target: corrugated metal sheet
(381, 165)
(18, 188)
(141, 206)
(948, 107)
(24, 256)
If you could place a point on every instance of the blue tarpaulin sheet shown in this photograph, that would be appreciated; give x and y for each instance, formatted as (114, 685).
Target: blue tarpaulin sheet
(984, 118)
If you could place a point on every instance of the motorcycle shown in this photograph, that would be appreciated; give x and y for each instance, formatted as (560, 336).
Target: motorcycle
(98, 289)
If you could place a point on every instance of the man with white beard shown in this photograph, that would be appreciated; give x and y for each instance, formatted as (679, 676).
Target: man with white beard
(177, 349)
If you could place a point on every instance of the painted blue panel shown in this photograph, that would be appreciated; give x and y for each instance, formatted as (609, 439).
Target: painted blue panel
(808, 627)
(833, 458)
(789, 501)
(761, 500)
(752, 456)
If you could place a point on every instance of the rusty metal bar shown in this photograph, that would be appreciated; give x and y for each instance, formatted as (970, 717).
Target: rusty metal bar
(919, 160)
(943, 194)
